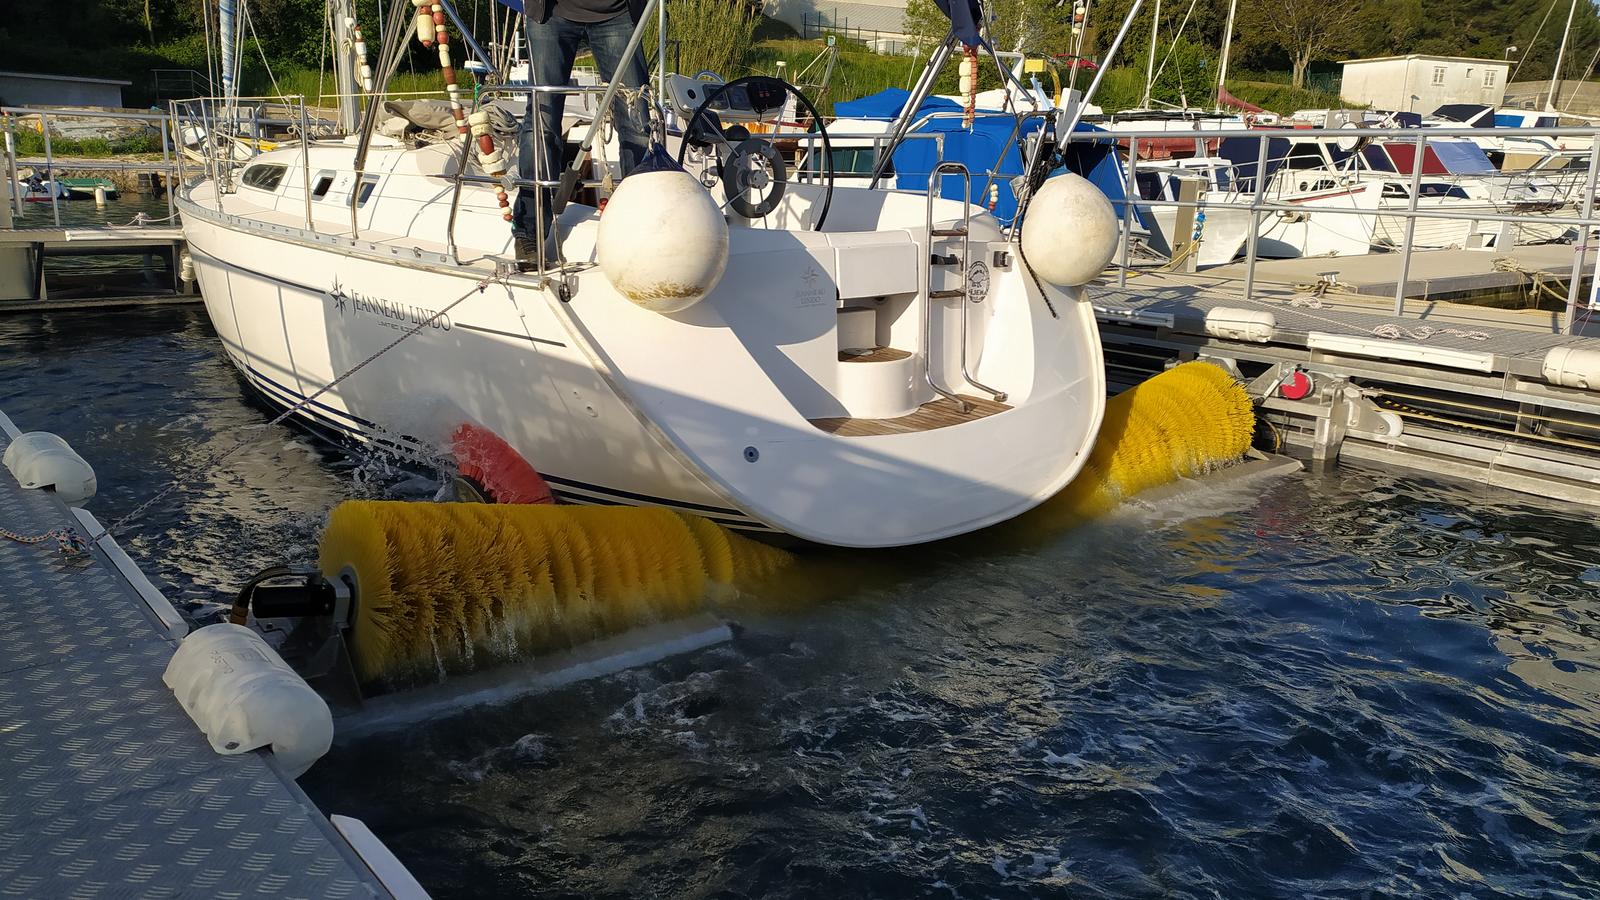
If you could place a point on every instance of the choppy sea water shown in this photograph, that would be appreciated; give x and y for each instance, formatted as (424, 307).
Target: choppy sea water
(1347, 684)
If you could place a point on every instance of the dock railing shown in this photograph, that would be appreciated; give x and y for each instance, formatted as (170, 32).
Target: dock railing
(14, 118)
(1255, 186)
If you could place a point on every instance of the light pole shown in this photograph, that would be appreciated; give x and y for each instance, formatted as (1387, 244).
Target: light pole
(1510, 50)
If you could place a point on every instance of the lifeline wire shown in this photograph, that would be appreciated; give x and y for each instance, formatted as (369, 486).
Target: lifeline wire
(173, 484)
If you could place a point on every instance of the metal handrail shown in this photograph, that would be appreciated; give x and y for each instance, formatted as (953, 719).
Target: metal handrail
(1259, 203)
(934, 179)
(509, 180)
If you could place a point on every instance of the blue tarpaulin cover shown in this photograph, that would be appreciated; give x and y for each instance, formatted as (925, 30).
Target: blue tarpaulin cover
(1462, 157)
(988, 146)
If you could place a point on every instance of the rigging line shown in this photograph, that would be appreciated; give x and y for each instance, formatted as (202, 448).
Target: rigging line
(1592, 60)
(1174, 48)
(241, 443)
(211, 71)
(322, 57)
(1077, 47)
(251, 24)
(1534, 40)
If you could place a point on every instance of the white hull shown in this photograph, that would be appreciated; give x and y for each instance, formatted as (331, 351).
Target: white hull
(1309, 231)
(722, 410)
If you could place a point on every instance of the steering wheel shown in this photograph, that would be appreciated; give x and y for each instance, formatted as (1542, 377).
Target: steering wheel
(753, 172)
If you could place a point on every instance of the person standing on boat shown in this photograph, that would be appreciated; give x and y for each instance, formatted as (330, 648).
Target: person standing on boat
(556, 29)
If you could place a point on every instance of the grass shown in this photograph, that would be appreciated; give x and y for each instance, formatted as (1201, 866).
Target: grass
(31, 143)
(1282, 98)
(323, 92)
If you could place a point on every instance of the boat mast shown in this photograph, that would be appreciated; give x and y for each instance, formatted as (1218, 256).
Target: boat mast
(1555, 74)
(1227, 45)
(344, 65)
(1150, 66)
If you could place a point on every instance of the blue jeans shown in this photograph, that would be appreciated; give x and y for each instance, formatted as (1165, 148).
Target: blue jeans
(552, 48)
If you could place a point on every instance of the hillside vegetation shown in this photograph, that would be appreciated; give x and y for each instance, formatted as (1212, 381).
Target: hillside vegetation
(129, 38)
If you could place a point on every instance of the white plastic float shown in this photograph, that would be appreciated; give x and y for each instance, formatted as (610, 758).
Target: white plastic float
(244, 697)
(43, 460)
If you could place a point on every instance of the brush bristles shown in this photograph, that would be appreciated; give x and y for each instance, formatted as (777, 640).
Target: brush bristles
(1181, 423)
(446, 587)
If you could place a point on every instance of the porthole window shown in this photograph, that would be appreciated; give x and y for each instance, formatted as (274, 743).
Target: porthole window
(263, 177)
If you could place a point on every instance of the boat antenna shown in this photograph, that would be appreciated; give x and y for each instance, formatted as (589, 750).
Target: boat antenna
(1150, 67)
(1227, 48)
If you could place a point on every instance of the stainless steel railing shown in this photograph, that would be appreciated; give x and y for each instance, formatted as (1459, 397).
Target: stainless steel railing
(12, 114)
(1261, 174)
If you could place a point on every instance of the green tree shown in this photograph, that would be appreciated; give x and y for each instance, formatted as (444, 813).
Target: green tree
(1306, 30)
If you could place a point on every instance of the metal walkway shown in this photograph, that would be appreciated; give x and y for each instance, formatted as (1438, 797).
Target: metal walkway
(1514, 340)
(1460, 391)
(107, 788)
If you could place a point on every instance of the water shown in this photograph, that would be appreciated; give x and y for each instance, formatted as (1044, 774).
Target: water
(120, 211)
(1341, 685)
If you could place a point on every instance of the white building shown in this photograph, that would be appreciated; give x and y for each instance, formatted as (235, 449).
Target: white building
(1420, 83)
(33, 89)
(878, 23)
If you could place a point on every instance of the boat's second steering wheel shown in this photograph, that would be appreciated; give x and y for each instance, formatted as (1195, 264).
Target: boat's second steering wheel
(753, 172)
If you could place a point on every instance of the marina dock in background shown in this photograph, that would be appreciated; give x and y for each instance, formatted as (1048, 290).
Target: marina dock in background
(104, 780)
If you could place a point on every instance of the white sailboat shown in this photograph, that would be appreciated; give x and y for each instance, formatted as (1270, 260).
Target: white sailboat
(849, 366)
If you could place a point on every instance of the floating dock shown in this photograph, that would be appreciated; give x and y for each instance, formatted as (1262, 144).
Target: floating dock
(1497, 396)
(24, 251)
(107, 788)
(1498, 281)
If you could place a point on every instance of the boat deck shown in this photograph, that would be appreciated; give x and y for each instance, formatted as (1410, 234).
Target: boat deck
(941, 413)
(107, 788)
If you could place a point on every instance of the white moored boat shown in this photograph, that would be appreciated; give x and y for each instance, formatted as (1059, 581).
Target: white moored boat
(890, 374)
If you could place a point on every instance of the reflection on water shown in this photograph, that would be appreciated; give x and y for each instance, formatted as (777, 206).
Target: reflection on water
(121, 211)
(1344, 685)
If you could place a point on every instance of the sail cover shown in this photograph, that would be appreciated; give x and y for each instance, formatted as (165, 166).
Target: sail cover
(964, 16)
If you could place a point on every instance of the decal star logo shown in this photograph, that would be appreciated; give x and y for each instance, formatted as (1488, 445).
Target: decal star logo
(338, 296)
(811, 276)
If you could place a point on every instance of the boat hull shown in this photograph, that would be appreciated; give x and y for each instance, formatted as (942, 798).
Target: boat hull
(304, 315)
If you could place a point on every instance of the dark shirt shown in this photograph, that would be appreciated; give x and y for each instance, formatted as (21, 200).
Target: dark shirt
(540, 10)
(588, 12)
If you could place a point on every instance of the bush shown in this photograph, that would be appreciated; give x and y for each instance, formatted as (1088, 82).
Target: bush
(31, 143)
(708, 35)
(1282, 98)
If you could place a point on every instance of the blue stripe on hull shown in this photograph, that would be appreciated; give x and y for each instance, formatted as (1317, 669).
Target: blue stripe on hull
(565, 488)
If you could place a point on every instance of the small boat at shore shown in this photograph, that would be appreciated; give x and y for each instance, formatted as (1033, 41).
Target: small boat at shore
(85, 188)
(36, 189)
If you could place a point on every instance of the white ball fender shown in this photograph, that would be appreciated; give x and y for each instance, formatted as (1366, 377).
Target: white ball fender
(663, 242)
(1070, 232)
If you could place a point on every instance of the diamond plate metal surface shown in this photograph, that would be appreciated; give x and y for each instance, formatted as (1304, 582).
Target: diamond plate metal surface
(107, 788)
(1188, 306)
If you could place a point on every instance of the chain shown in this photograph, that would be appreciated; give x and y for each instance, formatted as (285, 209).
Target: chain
(217, 459)
(68, 541)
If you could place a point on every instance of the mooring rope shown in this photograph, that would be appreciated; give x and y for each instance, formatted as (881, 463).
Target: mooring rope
(217, 459)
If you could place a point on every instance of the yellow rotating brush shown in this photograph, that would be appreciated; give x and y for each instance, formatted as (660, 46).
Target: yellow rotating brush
(441, 588)
(445, 587)
(1181, 423)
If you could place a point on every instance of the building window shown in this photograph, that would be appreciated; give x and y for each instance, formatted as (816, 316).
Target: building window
(1438, 74)
(1488, 79)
